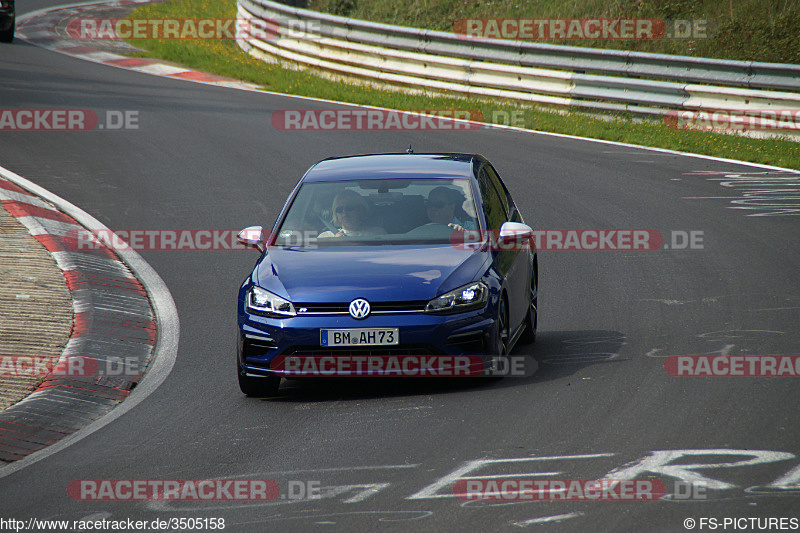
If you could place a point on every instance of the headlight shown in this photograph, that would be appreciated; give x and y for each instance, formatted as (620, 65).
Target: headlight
(264, 302)
(472, 296)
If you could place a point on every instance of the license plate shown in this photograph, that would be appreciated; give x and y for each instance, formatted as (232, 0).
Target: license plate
(359, 337)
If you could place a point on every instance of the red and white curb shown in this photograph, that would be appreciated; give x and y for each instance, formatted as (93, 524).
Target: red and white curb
(39, 28)
(113, 322)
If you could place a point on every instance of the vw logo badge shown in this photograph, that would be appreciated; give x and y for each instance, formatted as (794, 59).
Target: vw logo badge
(359, 308)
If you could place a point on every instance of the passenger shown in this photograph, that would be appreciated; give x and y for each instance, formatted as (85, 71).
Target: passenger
(351, 216)
(444, 207)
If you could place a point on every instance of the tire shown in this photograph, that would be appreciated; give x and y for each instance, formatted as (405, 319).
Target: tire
(532, 318)
(502, 337)
(6, 36)
(259, 387)
(503, 328)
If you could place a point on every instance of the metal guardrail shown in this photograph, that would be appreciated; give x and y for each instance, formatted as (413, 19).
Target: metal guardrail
(643, 83)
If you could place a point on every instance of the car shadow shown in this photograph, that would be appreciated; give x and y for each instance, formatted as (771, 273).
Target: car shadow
(558, 354)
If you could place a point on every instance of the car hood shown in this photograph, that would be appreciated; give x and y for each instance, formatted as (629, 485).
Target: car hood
(377, 273)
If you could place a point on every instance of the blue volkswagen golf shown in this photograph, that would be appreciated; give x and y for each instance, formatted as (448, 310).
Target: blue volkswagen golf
(421, 261)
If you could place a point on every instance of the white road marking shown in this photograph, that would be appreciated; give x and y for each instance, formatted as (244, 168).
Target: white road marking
(363, 491)
(333, 469)
(790, 480)
(547, 519)
(660, 462)
(432, 490)
(159, 69)
(637, 152)
(101, 57)
(94, 517)
(761, 193)
(526, 474)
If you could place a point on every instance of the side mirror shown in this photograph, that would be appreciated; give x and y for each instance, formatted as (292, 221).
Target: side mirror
(515, 234)
(515, 231)
(251, 237)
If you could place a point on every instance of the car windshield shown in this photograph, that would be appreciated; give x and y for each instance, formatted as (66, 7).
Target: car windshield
(379, 211)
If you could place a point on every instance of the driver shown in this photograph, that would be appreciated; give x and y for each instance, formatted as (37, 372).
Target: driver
(442, 204)
(350, 215)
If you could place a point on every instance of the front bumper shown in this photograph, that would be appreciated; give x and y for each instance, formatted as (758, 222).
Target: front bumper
(262, 339)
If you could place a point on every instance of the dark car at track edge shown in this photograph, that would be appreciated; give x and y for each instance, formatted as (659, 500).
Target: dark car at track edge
(7, 20)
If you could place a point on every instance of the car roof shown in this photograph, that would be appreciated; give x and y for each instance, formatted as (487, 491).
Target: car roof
(393, 166)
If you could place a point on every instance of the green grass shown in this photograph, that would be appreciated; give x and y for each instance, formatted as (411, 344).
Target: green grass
(753, 30)
(227, 59)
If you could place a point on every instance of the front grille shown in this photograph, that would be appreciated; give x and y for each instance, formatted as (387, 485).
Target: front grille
(376, 308)
(400, 349)
(393, 307)
(321, 308)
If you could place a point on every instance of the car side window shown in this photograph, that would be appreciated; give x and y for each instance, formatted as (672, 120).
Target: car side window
(493, 204)
(511, 208)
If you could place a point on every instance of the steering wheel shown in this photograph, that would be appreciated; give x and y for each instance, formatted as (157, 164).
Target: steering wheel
(430, 229)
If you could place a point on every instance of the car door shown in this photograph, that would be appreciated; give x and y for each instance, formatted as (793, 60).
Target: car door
(511, 263)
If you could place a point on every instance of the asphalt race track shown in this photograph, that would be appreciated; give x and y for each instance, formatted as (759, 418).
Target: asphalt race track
(386, 452)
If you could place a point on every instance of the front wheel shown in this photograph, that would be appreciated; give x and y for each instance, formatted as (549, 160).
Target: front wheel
(499, 354)
(532, 318)
(502, 328)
